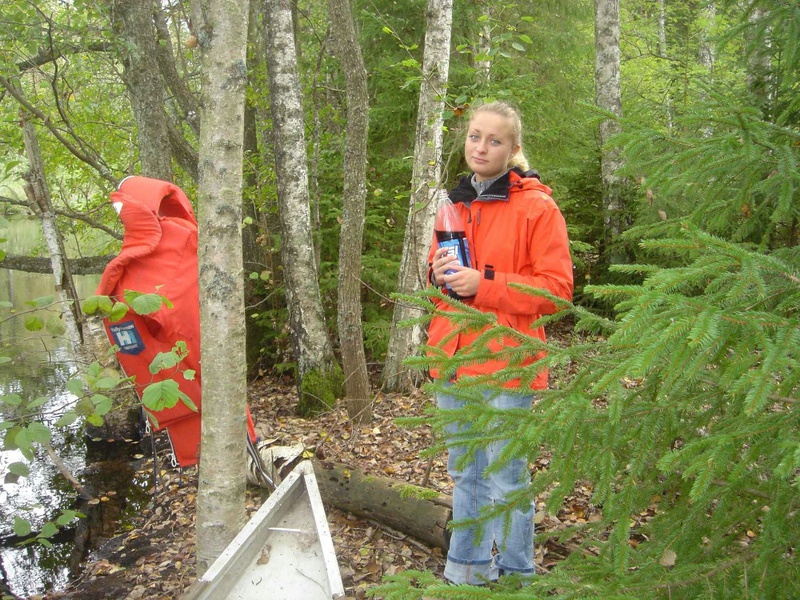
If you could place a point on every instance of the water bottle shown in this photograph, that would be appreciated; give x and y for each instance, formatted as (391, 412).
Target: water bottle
(450, 234)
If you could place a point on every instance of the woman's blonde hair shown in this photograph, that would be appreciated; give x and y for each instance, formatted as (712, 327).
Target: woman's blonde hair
(512, 116)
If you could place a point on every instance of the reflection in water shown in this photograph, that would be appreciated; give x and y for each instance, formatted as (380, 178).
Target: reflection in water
(41, 366)
(44, 493)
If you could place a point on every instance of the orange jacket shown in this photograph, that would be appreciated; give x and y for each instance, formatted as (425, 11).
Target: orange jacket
(516, 235)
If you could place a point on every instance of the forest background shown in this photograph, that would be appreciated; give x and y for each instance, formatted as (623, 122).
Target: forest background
(685, 213)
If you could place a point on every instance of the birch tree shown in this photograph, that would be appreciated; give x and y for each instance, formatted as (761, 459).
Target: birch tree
(484, 62)
(663, 51)
(222, 28)
(318, 374)
(426, 176)
(706, 55)
(41, 204)
(351, 336)
(608, 96)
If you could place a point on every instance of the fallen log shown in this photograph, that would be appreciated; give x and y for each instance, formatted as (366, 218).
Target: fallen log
(421, 513)
(88, 265)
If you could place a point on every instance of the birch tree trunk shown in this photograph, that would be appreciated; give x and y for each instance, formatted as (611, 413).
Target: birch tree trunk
(222, 28)
(706, 55)
(351, 336)
(38, 194)
(426, 175)
(608, 96)
(39, 198)
(484, 65)
(133, 19)
(662, 51)
(319, 377)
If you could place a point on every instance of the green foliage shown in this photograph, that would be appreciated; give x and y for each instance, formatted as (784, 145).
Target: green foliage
(391, 39)
(164, 394)
(168, 360)
(707, 148)
(319, 391)
(141, 304)
(66, 90)
(22, 527)
(414, 491)
(25, 428)
(740, 183)
(710, 150)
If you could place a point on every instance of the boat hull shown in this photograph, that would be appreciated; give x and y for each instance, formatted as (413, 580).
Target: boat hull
(285, 552)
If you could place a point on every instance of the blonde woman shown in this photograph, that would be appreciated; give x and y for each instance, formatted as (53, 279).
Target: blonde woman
(516, 234)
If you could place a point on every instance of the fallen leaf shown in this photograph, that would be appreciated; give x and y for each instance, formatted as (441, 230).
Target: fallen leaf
(264, 558)
(668, 559)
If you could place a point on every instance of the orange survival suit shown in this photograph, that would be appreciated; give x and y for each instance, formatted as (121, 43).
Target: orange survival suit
(159, 255)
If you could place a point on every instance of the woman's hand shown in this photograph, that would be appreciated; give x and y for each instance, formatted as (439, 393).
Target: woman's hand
(463, 280)
(441, 263)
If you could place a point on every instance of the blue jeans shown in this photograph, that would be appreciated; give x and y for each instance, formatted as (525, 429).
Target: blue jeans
(469, 559)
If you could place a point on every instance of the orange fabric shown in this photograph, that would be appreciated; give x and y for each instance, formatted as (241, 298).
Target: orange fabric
(522, 239)
(159, 255)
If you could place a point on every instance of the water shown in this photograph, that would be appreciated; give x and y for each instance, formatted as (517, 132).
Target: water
(41, 366)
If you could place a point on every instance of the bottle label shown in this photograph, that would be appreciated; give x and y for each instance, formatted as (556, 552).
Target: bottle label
(456, 246)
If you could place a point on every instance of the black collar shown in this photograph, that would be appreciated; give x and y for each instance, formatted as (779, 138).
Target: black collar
(465, 192)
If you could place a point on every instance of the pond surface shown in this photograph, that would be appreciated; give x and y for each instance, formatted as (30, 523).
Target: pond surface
(41, 366)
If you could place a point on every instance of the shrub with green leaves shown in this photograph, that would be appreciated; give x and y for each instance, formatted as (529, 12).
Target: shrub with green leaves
(25, 428)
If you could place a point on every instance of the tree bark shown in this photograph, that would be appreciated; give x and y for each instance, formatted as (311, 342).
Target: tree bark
(706, 52)
(351, 336)
(185, 102)
(426, 178)
(662, 51)
(134, 21)
(318, 375)
(608, 96)
(321, 93)
(165, 55)
(222, 477)
(88, 265)
(39, 196)
(706, 57)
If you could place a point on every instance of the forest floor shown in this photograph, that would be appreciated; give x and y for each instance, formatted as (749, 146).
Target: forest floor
(155, 559)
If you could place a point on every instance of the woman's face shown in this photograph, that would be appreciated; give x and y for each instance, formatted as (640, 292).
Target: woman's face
(489, 145)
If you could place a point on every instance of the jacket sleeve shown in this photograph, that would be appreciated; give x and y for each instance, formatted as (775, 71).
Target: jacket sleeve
(548, 247)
